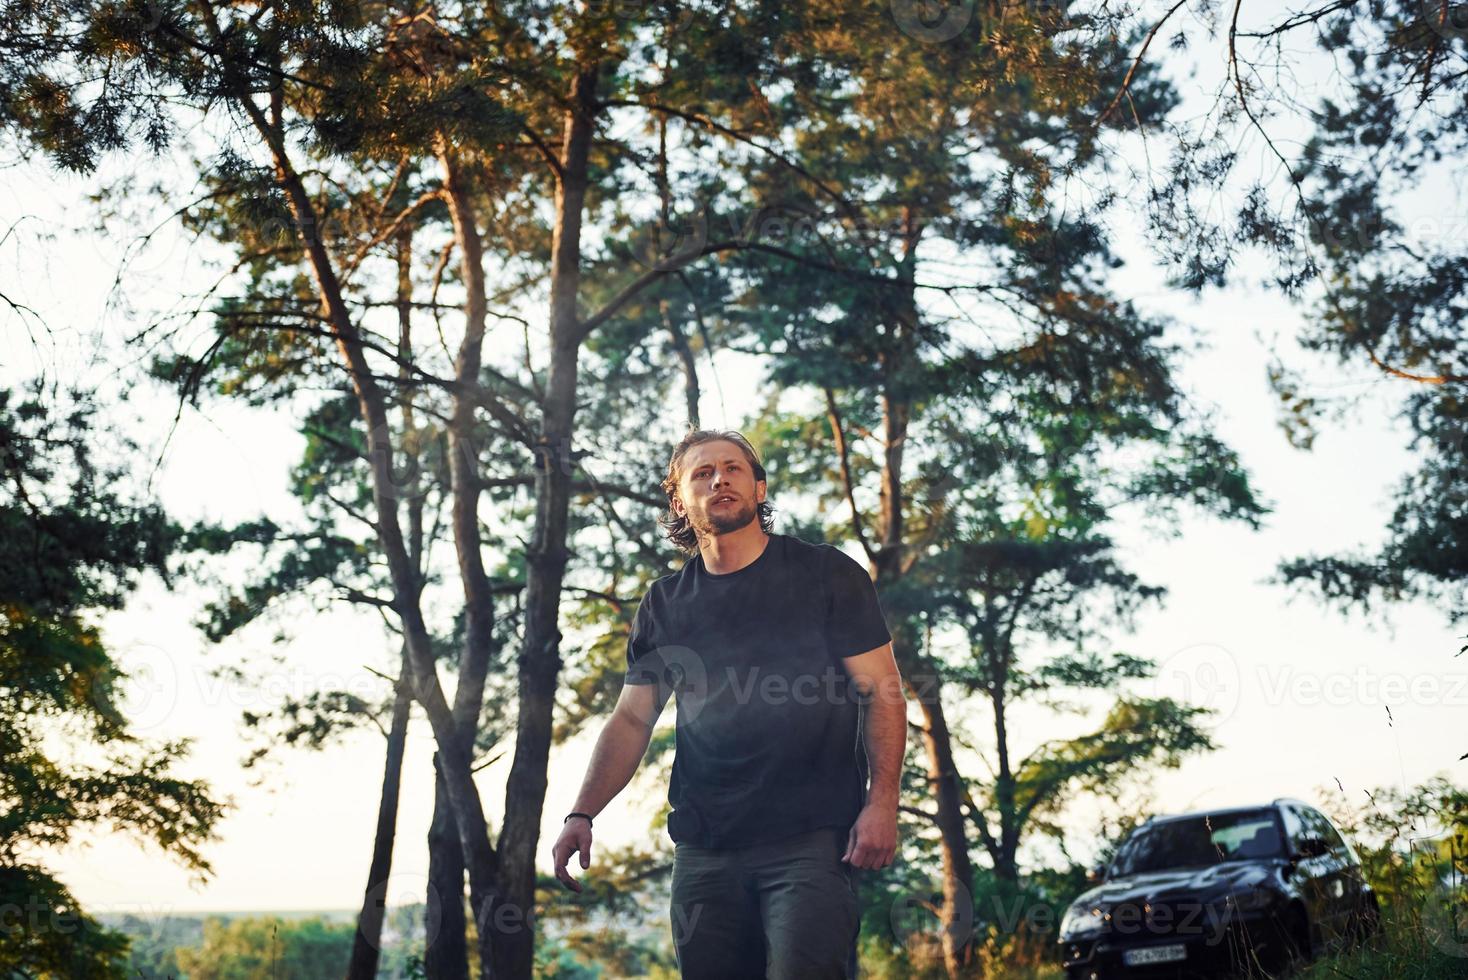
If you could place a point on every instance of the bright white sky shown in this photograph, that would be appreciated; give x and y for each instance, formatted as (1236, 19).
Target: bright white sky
(1304, 694)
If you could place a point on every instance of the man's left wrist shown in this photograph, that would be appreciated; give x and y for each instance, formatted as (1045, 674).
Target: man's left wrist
(884, 800)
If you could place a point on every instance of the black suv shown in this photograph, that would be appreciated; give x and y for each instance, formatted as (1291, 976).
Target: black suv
(1248, 889)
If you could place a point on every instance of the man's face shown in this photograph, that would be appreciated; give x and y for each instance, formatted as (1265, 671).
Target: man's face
(717, 490)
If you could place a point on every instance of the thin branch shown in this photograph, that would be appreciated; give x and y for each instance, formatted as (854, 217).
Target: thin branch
(354, 261)
(545, 151)
(837, 433)
(704, 120)
(1431, 379)
(629, 293)
(1126, 83)
(348, 508)
(487, 762)
(1300, 20)
(357, 595)
(394, 681)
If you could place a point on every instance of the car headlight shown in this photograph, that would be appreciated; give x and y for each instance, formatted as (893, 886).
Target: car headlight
(1083, 919)
(1253, 900)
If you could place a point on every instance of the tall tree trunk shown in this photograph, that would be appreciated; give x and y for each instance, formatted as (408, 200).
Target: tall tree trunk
(958, 868)
(546, 556)
(446, 957)
(482, 861)
(368, 941)
(540, 659)
(675, 329)
(1006, 865)
(893, 558)
(502, 936)
(690, 364)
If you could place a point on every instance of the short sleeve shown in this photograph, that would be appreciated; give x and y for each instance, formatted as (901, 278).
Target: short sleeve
(640, 643)
(854, 622)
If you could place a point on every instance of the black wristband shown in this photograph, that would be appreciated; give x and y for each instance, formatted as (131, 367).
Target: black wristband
(577, 814)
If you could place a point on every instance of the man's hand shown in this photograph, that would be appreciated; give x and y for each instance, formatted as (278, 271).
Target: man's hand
(575, 836)
(873, 839)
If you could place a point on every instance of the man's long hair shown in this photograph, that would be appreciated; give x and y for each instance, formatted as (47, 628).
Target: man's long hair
(680, 531)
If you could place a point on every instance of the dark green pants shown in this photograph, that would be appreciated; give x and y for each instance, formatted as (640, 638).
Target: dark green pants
(785, 910)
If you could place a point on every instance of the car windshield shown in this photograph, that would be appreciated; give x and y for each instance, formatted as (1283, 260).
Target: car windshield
(1199, 841)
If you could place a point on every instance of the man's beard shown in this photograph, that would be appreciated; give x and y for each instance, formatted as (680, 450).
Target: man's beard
(725, 522)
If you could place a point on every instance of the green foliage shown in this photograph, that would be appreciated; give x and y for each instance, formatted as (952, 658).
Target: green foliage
(1426, 550)
(615, 927)
(153, 943)
(1355, 230)
(1413, 844)
(1136, 733)
(601, 927)
(47, 934)
(268, 948)
(73, 545)
(861, 166)
(1401, 949)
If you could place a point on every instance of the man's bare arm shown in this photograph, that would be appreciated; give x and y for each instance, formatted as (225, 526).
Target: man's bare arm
(620, 748)
(873, 840)
(614, 760)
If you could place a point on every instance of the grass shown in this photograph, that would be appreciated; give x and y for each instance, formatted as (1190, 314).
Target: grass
(1410, 944)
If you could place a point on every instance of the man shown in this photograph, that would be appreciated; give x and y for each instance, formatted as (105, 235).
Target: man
(761, 635)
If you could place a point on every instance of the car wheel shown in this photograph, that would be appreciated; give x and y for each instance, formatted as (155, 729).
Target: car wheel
(1296, 946)
(1366, 921)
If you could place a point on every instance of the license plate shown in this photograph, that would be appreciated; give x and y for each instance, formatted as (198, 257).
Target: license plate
(1155, 954)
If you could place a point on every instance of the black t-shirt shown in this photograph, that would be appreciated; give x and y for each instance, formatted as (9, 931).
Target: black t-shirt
(768, 741)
